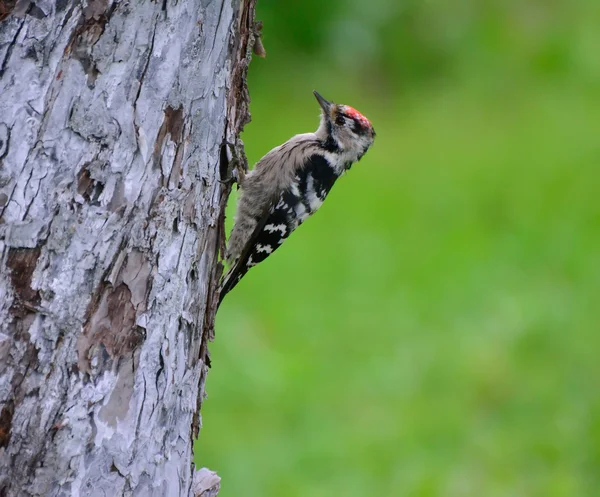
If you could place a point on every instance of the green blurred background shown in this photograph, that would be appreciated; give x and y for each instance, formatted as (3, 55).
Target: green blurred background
(434, 329)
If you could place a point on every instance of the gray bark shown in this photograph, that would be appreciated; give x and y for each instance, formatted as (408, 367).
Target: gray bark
(113, 120)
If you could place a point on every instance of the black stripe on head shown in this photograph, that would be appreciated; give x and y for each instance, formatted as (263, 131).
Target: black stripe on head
(358, 128)
(330, 145)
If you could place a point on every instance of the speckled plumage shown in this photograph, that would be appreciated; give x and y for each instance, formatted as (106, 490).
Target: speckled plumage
(290, 183)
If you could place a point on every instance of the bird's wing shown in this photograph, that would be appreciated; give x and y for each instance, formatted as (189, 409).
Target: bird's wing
(270, 232)
(307, 192)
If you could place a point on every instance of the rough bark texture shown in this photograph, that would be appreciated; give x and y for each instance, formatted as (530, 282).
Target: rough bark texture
(117, 121)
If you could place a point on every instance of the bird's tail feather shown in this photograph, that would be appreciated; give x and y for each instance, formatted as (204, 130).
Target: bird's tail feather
(231, 279)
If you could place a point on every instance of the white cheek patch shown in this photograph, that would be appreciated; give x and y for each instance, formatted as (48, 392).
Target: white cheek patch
(351, 151)
(338, 161)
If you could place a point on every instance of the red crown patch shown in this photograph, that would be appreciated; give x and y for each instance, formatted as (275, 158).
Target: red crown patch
(357, 116)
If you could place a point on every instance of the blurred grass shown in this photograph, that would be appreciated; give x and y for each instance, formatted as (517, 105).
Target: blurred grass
(433, 330)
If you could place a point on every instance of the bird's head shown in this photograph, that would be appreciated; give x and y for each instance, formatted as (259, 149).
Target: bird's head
(344, 129)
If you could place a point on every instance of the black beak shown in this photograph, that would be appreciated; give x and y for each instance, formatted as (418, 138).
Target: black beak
(325, 105)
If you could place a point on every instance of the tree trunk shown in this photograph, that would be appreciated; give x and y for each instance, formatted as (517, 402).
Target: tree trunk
(117, 121)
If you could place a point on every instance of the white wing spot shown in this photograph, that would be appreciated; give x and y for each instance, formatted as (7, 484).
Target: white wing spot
(250, 262)
(264, 248)
(271, 228)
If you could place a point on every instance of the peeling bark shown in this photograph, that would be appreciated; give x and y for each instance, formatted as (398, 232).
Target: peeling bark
(117, 122)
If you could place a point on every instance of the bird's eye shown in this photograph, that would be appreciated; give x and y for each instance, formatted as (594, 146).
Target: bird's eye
(339, 120)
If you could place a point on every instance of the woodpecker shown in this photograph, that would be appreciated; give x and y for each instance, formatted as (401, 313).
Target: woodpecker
(290, 183)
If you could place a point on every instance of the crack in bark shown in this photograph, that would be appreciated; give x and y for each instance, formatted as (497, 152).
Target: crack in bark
(25, 188)
(35, 195)
(146, 64)
(11, 47)
(7, 201)
(54, 88)
(181, 249)
(4, 140)
(218, 24)
(138, 424)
